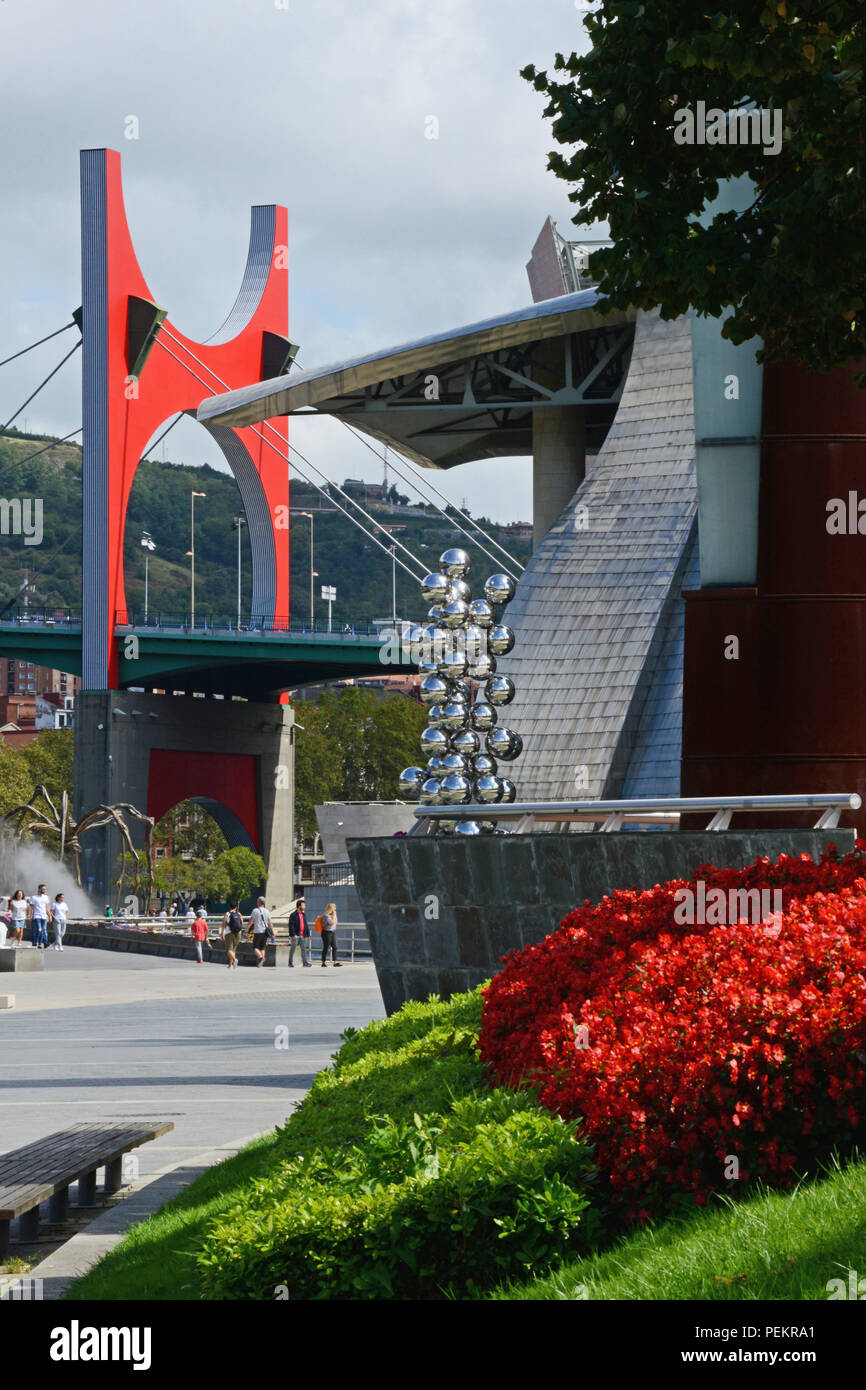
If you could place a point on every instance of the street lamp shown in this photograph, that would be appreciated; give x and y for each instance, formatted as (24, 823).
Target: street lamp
(394, 584)
(312, 571)
(238, 524)
(148, 542)
(192, 496)
(329, 593)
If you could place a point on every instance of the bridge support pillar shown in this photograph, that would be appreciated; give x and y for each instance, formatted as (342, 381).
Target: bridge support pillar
(558, 464)
(233, 757)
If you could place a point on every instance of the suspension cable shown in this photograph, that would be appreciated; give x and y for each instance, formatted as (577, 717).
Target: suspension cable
(19, 463)
(418, 485)
(46, 339)
(416, 574)
(5, 427)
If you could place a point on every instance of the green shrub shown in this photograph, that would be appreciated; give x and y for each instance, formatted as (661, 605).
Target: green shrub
(456, 1201)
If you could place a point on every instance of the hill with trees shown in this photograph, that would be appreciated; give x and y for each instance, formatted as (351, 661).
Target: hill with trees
(160, 504)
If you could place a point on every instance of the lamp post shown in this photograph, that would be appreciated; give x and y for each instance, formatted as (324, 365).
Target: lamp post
(312, 571)
(394, 584)
(192, 496)
(148, 542)
(238, 524)
(329, 593)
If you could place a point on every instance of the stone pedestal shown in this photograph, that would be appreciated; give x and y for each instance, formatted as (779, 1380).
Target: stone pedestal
(20, 958)
(441, 913)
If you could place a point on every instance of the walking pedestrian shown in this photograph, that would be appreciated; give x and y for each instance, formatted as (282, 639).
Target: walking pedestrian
(18, 913)
(199, 933)
(39, 908)
(299, 934)
(59, 914)
(329, 936)
(230, 933)
(260, 931)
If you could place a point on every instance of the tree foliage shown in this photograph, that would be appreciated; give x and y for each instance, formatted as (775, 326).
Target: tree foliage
(791, 266)
(352, 747)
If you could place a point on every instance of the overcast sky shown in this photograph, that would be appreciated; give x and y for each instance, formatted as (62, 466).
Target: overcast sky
(317, 104)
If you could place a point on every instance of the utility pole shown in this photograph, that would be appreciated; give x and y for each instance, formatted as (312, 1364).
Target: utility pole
(192, 496)
(238, 525)
(148, 543)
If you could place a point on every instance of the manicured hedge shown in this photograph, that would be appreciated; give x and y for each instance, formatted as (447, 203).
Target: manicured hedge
(406, 1177)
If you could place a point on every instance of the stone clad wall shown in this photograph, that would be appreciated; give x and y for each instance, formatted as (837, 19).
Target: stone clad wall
(441, 912)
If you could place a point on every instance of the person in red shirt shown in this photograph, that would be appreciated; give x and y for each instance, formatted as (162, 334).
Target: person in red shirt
(199, 932)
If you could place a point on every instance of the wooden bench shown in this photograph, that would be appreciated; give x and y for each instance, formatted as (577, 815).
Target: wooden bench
(44, 1171)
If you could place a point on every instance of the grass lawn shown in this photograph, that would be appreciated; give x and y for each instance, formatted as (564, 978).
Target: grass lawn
(421, 1057)
(772, 1246)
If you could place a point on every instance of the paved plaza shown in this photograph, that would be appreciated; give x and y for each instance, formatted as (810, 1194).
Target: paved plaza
(224, 1055)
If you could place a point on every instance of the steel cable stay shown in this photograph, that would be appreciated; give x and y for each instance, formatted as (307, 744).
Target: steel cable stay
(416, 574)
(39, 342)
(421, 484)
(42, 384)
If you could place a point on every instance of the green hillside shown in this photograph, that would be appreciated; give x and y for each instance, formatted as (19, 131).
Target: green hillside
(160, 504)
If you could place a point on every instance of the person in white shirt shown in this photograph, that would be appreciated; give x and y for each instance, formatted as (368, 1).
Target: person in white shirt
(59, 913)
(40, 905)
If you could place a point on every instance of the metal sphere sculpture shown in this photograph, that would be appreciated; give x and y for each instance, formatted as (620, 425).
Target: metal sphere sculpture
(456, 651)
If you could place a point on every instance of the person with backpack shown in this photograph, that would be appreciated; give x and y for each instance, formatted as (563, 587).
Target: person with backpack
(260, 931)
(230, 933)
(329, 936)
(299, 934)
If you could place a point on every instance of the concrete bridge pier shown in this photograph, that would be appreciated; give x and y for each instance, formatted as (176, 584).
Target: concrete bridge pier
(234, 758)
(558, 464)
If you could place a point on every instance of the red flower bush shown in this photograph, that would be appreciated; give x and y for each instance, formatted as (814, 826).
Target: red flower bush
(682, 1047)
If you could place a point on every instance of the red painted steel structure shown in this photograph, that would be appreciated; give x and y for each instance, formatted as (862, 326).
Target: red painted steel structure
(789, 713)
(215, 780)
(123, 413)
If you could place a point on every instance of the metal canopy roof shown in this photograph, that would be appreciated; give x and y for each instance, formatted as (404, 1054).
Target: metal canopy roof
(464, 394)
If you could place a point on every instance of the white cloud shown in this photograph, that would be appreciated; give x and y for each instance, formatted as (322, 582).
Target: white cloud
(321, 106)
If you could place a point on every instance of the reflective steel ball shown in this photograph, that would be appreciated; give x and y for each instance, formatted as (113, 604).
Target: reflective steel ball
(452, 666)
(416, 638)
(483, 765)
(434, 765)
(454, 614)
(433, 690)
(499, 690)
(434, 588)
(474, 641)
(487, 827)
(455, 716)
(431, 792)
(433, 741)
(499, 589)
(410, 783)
(466, 742)
(509, 791)
(500, 640)
(483, 716)
(467, 827)
(444, 827)
(452, 762)
(459, 590)
(459, 690)
(454, 563)
(487, 790)
(436, 716)
(481, 613)
(434, 612)
(503, 743)
(456, 790)
(482, 668)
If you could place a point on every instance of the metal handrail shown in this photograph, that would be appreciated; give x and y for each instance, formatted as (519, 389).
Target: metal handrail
(648, 810)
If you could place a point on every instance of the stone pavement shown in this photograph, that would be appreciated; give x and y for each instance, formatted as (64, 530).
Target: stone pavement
(224, 1055)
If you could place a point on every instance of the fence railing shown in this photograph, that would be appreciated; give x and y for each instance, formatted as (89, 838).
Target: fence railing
(205, 623)
(179, 927)
(333, 875)
(661, 811)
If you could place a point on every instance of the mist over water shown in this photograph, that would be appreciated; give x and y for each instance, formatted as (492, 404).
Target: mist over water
(26, 865)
